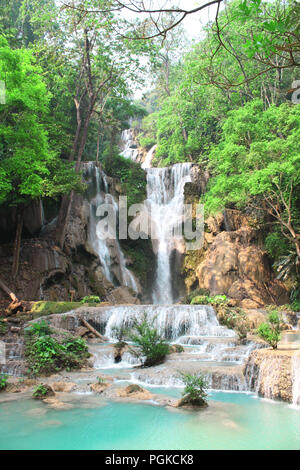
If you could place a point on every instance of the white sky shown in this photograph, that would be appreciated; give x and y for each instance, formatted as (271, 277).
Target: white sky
(193, 24)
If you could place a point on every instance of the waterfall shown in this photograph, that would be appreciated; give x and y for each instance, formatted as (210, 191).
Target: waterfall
(176, 322)
(130, 150)
(165, 199)
(100, 245)
(149, 158)
(296, 379)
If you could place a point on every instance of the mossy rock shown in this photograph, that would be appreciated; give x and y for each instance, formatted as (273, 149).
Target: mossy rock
(44, 307)
(200, 300)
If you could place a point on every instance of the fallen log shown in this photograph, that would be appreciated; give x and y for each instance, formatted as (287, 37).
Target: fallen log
(92, 330)
(8, 292)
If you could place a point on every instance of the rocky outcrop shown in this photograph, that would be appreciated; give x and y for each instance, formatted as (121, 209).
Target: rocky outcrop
(270, 373)
(135, 392)
(233, 264)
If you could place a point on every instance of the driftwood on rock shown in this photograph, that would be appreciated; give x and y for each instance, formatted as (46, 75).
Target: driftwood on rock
(92, 330)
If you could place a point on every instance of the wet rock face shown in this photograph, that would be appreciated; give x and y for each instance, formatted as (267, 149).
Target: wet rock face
(269, 373)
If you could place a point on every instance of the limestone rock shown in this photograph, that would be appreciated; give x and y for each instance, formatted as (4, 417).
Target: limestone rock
(122, 295)
(63, 386)
(99, 387)
(269, 372)
(136, 392)
(234, 266)
(45, 392)
(187, 402)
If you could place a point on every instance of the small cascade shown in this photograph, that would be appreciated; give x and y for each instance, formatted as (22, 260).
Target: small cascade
(101, 245)
(296, 379)
(165, 199)
(149, 158)
(14, 364)
(174, 322)
(129, 146)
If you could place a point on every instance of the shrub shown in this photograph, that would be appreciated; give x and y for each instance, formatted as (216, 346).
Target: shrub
(45, 355)
(3, 327)
(235, 319)
(295, 306)
(196, 293)
(90, 299)
(40, 328)
(149, 345)
(194, 392)
(270, 331)
(200, 300)
(3, 381)
(41, 391)
(205, 299)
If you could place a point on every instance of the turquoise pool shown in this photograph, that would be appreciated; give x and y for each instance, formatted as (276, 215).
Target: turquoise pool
(233, 421)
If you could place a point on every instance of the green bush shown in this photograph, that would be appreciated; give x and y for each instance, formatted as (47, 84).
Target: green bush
(40, 391)
(295, 306)
(194, 392)
(270, 331)
(204, 300)
(45, 355)
(200, 300)
(3, 327)
(235, 319)
(195, 293)
(149, 345)
(40, 328)
(132, 177)
(3, 381)
(91, 299)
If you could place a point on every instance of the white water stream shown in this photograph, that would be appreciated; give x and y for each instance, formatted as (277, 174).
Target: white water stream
(165, 199)
(101, 245)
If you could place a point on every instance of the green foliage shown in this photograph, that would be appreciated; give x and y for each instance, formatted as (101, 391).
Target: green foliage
(194, 392)
(236, 319)
(3, 381)
(90, 299)
(131, 175)
(276, 245)
(205, 299)
(40, 391)
(200, 300)
(47, 355)
(295, 306)
(3, 327)
(270, 331)
(40, 328)
(195, 293)
(149, 345)
(28, 167)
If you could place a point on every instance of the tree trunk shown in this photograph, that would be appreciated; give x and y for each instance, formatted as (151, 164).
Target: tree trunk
(92, 330)
(8, 292)
(63, 216)
(17, 245)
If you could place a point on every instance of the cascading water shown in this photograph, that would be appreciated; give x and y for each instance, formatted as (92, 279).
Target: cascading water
(176, 322)
(99, 243)
(149, 158)
(165, 200)
(129, 150)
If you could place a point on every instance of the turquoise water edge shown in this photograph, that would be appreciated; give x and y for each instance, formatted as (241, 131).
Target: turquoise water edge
(232, 421)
